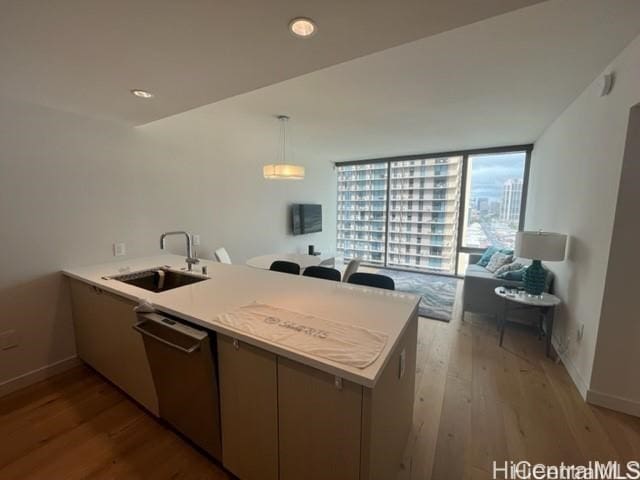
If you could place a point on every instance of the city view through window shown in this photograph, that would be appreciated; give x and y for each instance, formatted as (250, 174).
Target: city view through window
(406, 214)
(494, 199)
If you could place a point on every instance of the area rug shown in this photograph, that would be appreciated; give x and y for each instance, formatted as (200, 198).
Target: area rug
(438, 292)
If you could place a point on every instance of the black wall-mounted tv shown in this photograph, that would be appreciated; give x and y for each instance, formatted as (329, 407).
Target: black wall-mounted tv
(306, 218)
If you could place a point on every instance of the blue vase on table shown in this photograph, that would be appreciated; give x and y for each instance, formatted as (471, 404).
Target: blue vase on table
(535, 277)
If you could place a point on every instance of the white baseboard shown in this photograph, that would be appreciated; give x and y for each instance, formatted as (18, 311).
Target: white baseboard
(37, 375)
(571, 369)
(620, 404)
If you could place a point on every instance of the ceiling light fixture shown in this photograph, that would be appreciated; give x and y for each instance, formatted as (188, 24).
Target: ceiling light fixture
(141, 93)
(283, 170)
(302, 27)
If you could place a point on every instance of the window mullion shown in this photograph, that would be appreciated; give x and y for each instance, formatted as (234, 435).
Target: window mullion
(386, 222)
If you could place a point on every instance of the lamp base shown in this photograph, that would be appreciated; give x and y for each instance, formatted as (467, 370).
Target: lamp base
(535, 277)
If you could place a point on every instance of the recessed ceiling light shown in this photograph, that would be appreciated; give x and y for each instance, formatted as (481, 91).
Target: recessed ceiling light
(302, 27)
(142, 93)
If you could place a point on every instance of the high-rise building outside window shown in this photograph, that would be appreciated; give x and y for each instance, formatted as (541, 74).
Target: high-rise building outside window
(493, 200)
(362, 209)
(511, 198)
(427, 213)
(424, 199)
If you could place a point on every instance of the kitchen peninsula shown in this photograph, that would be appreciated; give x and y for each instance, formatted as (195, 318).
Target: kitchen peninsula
(284, 413)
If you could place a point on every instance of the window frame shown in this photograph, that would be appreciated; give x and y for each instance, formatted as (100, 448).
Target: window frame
(465, 154)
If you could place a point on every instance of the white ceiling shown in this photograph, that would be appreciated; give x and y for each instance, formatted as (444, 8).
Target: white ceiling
(85, 55)
(496, 82)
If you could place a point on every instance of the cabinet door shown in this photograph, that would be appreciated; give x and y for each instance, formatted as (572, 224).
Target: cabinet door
(106, 340)
(387, 410)
(319, 424)
(249, 410)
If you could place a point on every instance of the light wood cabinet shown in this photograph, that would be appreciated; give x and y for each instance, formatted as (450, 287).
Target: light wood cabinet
(249, 410)
(280, 420)
(345, 431)
(106, 340)
(319, 424)
(387, 410)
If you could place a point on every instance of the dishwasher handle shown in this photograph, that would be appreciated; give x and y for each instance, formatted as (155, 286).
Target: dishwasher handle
(139, 327)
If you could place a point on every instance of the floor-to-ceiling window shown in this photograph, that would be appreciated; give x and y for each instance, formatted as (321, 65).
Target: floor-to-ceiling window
(362, 209)
(428, 212)
(493, 202)
(423, 213)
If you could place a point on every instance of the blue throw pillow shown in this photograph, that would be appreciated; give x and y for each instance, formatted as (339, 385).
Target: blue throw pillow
(507, 251)
(486, 256)
(513, 275)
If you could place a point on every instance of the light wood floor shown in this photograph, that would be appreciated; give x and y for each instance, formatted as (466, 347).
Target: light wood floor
(475, 403)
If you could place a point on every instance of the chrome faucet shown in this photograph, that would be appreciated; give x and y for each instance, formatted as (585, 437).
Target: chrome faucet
(191, 260)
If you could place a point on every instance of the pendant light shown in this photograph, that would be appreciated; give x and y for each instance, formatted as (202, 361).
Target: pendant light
(283, 170)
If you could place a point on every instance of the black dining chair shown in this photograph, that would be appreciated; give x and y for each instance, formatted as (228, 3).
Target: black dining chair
(372, 280)
(325, 273)
(285, 267)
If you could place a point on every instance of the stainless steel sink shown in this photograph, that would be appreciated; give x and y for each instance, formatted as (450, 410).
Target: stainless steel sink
(159, 279)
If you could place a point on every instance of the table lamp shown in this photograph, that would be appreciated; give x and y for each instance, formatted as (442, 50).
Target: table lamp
(538, 246)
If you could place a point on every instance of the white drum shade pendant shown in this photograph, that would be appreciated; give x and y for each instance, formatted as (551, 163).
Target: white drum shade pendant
(283, 170)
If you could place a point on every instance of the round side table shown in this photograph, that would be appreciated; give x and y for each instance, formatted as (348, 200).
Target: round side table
(519, 300)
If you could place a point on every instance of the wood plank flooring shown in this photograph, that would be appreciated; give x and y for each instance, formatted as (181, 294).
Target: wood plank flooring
(77, 425)
(475, 403)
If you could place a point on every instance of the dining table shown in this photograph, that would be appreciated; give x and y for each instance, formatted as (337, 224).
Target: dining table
(304, 260)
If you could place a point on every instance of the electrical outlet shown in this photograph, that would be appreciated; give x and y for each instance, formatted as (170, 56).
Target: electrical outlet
(195, 240)
(8, 339)
(119, 249)
(562, 345)
(580, 331)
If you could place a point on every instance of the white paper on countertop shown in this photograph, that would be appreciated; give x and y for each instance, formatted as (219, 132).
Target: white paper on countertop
(347, 344)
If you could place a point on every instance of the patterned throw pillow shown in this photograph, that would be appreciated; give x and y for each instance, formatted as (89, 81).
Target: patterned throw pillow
(486, 256)
(515, 275)
(497, 260)
(509, 267)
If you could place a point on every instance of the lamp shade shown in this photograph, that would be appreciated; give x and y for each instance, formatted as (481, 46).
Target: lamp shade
(547, 246)
(283, 171)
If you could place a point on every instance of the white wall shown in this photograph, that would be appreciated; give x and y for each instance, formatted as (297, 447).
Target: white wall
(71, 186)
(575, 172)
(615, 382)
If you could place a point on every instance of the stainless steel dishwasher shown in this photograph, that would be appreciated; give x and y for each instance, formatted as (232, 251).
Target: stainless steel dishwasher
(185, 377)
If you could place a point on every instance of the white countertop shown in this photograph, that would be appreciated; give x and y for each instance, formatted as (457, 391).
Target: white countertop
(232, 286)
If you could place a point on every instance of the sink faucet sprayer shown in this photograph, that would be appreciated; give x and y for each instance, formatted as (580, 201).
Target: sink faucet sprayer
(191, 260)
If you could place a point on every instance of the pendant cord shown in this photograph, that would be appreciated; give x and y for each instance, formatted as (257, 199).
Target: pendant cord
(284, 138)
